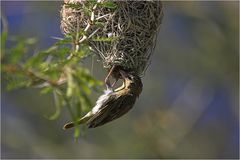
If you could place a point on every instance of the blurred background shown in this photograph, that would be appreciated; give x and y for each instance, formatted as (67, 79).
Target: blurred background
(188, 107)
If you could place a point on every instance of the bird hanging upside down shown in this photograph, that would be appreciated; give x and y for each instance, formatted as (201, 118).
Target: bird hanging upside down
(113, 103)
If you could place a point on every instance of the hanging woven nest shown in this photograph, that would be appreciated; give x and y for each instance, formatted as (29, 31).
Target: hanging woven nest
(121, 33)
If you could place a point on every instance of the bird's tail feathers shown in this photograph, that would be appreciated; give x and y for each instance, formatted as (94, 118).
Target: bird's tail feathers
(72, 124)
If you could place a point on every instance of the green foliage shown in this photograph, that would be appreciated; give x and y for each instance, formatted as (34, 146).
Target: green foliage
(57, 70)
(3, 42)
(104, 39)
(109, 5)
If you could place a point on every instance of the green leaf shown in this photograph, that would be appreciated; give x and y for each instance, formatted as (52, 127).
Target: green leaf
(30, 41)
(3, 42)
(16, 53)
(46, 90)
(67, 40)
(109, 4)
(73, 6)
(39, 58)
(86, 89)
(19, 49)
(57, 101)
(76, 132)
(86, 102)
(61, 53)
(71, 86)
(105, 39)
(84, 51)
(16, 81)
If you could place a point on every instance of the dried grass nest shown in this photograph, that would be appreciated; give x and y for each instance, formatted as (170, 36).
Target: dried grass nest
(120, 32)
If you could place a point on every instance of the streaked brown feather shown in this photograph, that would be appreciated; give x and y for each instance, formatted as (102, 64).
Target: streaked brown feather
(112, 111)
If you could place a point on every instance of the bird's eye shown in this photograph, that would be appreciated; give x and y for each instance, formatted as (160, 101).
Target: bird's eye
(130, 77)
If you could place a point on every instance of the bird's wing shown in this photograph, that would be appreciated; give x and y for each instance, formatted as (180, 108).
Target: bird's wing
(104, 99)
(97, 118)
(113, 109)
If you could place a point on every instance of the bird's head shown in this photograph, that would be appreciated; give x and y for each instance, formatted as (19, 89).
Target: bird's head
(132, 81)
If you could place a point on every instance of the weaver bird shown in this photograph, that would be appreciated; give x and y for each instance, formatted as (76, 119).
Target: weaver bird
(113, 103)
